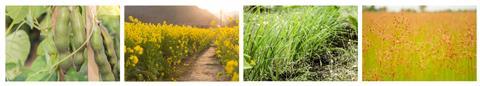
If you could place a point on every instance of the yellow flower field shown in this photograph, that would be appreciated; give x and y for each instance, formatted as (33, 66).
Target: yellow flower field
(160, 51)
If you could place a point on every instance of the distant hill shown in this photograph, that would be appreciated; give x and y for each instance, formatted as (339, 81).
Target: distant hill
(181, 15)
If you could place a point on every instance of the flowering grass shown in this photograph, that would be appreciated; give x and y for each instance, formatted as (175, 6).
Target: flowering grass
(426, 46)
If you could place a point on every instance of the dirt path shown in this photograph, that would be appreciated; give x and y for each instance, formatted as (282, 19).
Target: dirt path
(204, 68)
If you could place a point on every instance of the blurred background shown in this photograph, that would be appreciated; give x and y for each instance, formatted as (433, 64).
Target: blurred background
(199, 16)
(420, 8)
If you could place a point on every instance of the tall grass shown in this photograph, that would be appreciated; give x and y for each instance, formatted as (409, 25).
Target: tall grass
(300, 43)
(419, 46)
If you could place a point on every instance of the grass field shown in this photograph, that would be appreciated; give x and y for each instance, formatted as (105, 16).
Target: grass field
(424, 46)
(300, 43)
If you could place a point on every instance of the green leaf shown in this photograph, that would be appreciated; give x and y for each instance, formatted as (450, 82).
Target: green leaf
(38, 76)
(42, 64)
(39, 64)
(73, 75)
(53, 77)
(33, 75)
(12, 70)
(17, 13)
(22, 76)
(17, 49)
(47, 46)
(33, 13)
(45, 24)
(83, 70)
(41, 69)
(37, 11)
(10, 66)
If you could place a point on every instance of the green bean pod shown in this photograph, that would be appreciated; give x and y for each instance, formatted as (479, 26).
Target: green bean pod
(116, 71)
(100, 56)
(61, 36)
(108, 42)
(67, 63)
(96, 40)
(78, 34)
(78, 60)
(83, 68)
(62, 30)
(78, 28)
(105, 68)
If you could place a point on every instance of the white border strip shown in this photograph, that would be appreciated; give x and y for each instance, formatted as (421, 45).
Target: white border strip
(241, 3)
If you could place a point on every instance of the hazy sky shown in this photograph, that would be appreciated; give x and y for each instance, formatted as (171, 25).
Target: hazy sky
(222, 11)
(429, 8)
(226, 10)
(181, 15)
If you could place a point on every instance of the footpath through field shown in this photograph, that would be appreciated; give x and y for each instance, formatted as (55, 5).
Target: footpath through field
(204, 68)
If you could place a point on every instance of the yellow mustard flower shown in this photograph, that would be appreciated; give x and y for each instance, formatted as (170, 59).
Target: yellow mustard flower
(134, 59)
(138, 49)
(235, 76)
(130, 50)
(230, 67)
